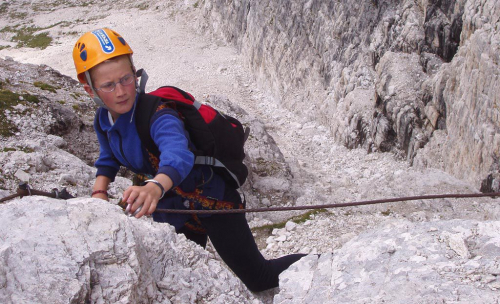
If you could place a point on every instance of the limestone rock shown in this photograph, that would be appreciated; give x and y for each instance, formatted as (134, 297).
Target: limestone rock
(430, 63)
(89, 251)
(399, 78)
(446, 261)
(381, 75)
(466, 95)
(57, 106)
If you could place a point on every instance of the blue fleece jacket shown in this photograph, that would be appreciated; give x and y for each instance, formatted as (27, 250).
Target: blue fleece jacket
(120, 145)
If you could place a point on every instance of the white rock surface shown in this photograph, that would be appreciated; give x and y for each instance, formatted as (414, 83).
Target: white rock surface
(89, 251)
(434, 262)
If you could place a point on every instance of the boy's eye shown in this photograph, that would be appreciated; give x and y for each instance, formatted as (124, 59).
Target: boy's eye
(108, 86)
(127, 79)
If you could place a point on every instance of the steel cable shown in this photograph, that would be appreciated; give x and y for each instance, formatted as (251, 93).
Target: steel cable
(337, 205)
(26, 190)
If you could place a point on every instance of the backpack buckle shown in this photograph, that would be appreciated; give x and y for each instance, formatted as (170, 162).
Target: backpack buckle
(210, 160)
(205, 160)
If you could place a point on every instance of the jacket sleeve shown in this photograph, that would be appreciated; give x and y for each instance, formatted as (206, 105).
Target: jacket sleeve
(169, 135)
(106, 164)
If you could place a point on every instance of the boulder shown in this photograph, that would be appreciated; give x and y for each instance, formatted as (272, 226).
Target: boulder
(89, 251)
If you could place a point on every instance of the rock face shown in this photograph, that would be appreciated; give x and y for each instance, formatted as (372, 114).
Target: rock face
(50, 104)
(88, 251)
(466, 92)
(412, 77)
(447, 261)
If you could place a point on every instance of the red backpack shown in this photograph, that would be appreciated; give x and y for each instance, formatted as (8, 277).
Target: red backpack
(218, 138)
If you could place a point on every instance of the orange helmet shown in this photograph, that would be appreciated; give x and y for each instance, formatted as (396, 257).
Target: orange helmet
(95, 47)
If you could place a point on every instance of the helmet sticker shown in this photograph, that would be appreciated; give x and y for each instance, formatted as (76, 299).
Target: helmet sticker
(106, 44)
(83, 55)
(83, 51)
(122, 40)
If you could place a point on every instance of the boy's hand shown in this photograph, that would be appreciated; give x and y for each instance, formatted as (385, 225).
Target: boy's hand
(144, 197)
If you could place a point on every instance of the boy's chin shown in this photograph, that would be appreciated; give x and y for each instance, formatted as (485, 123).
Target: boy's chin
(122, 109)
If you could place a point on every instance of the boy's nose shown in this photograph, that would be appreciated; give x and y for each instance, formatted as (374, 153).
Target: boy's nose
(119, 89)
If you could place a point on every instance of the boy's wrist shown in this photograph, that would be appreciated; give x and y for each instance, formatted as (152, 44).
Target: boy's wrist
(105, 192)
(158, 184)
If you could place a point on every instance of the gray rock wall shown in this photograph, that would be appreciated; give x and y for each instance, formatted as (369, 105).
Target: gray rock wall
(383, 75)
(466, 92)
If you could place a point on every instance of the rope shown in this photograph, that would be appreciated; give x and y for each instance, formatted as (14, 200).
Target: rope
(337, 205)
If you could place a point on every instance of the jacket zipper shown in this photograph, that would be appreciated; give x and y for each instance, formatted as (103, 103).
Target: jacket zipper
(120, 144)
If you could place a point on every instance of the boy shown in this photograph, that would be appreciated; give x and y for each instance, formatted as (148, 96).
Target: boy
(103, 62)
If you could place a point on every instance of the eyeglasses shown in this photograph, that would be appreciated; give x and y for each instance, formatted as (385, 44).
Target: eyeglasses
(110, 86)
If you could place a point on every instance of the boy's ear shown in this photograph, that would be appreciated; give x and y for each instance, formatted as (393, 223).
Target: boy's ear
(87, 89)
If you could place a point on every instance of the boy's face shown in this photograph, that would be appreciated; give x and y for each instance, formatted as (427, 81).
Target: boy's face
(122, 98)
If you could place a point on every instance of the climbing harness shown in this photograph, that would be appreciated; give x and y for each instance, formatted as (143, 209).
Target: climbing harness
(25, 190)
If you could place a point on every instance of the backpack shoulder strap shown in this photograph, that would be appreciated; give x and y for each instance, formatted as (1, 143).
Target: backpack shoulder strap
(146, 107)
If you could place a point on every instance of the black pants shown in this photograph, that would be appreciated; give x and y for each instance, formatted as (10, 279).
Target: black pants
(234, 242)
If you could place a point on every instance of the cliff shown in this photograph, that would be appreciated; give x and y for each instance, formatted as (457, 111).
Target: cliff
(412, 77)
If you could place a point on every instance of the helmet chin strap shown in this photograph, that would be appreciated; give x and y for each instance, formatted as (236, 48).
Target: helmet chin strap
(96, 98)
(141, 88)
